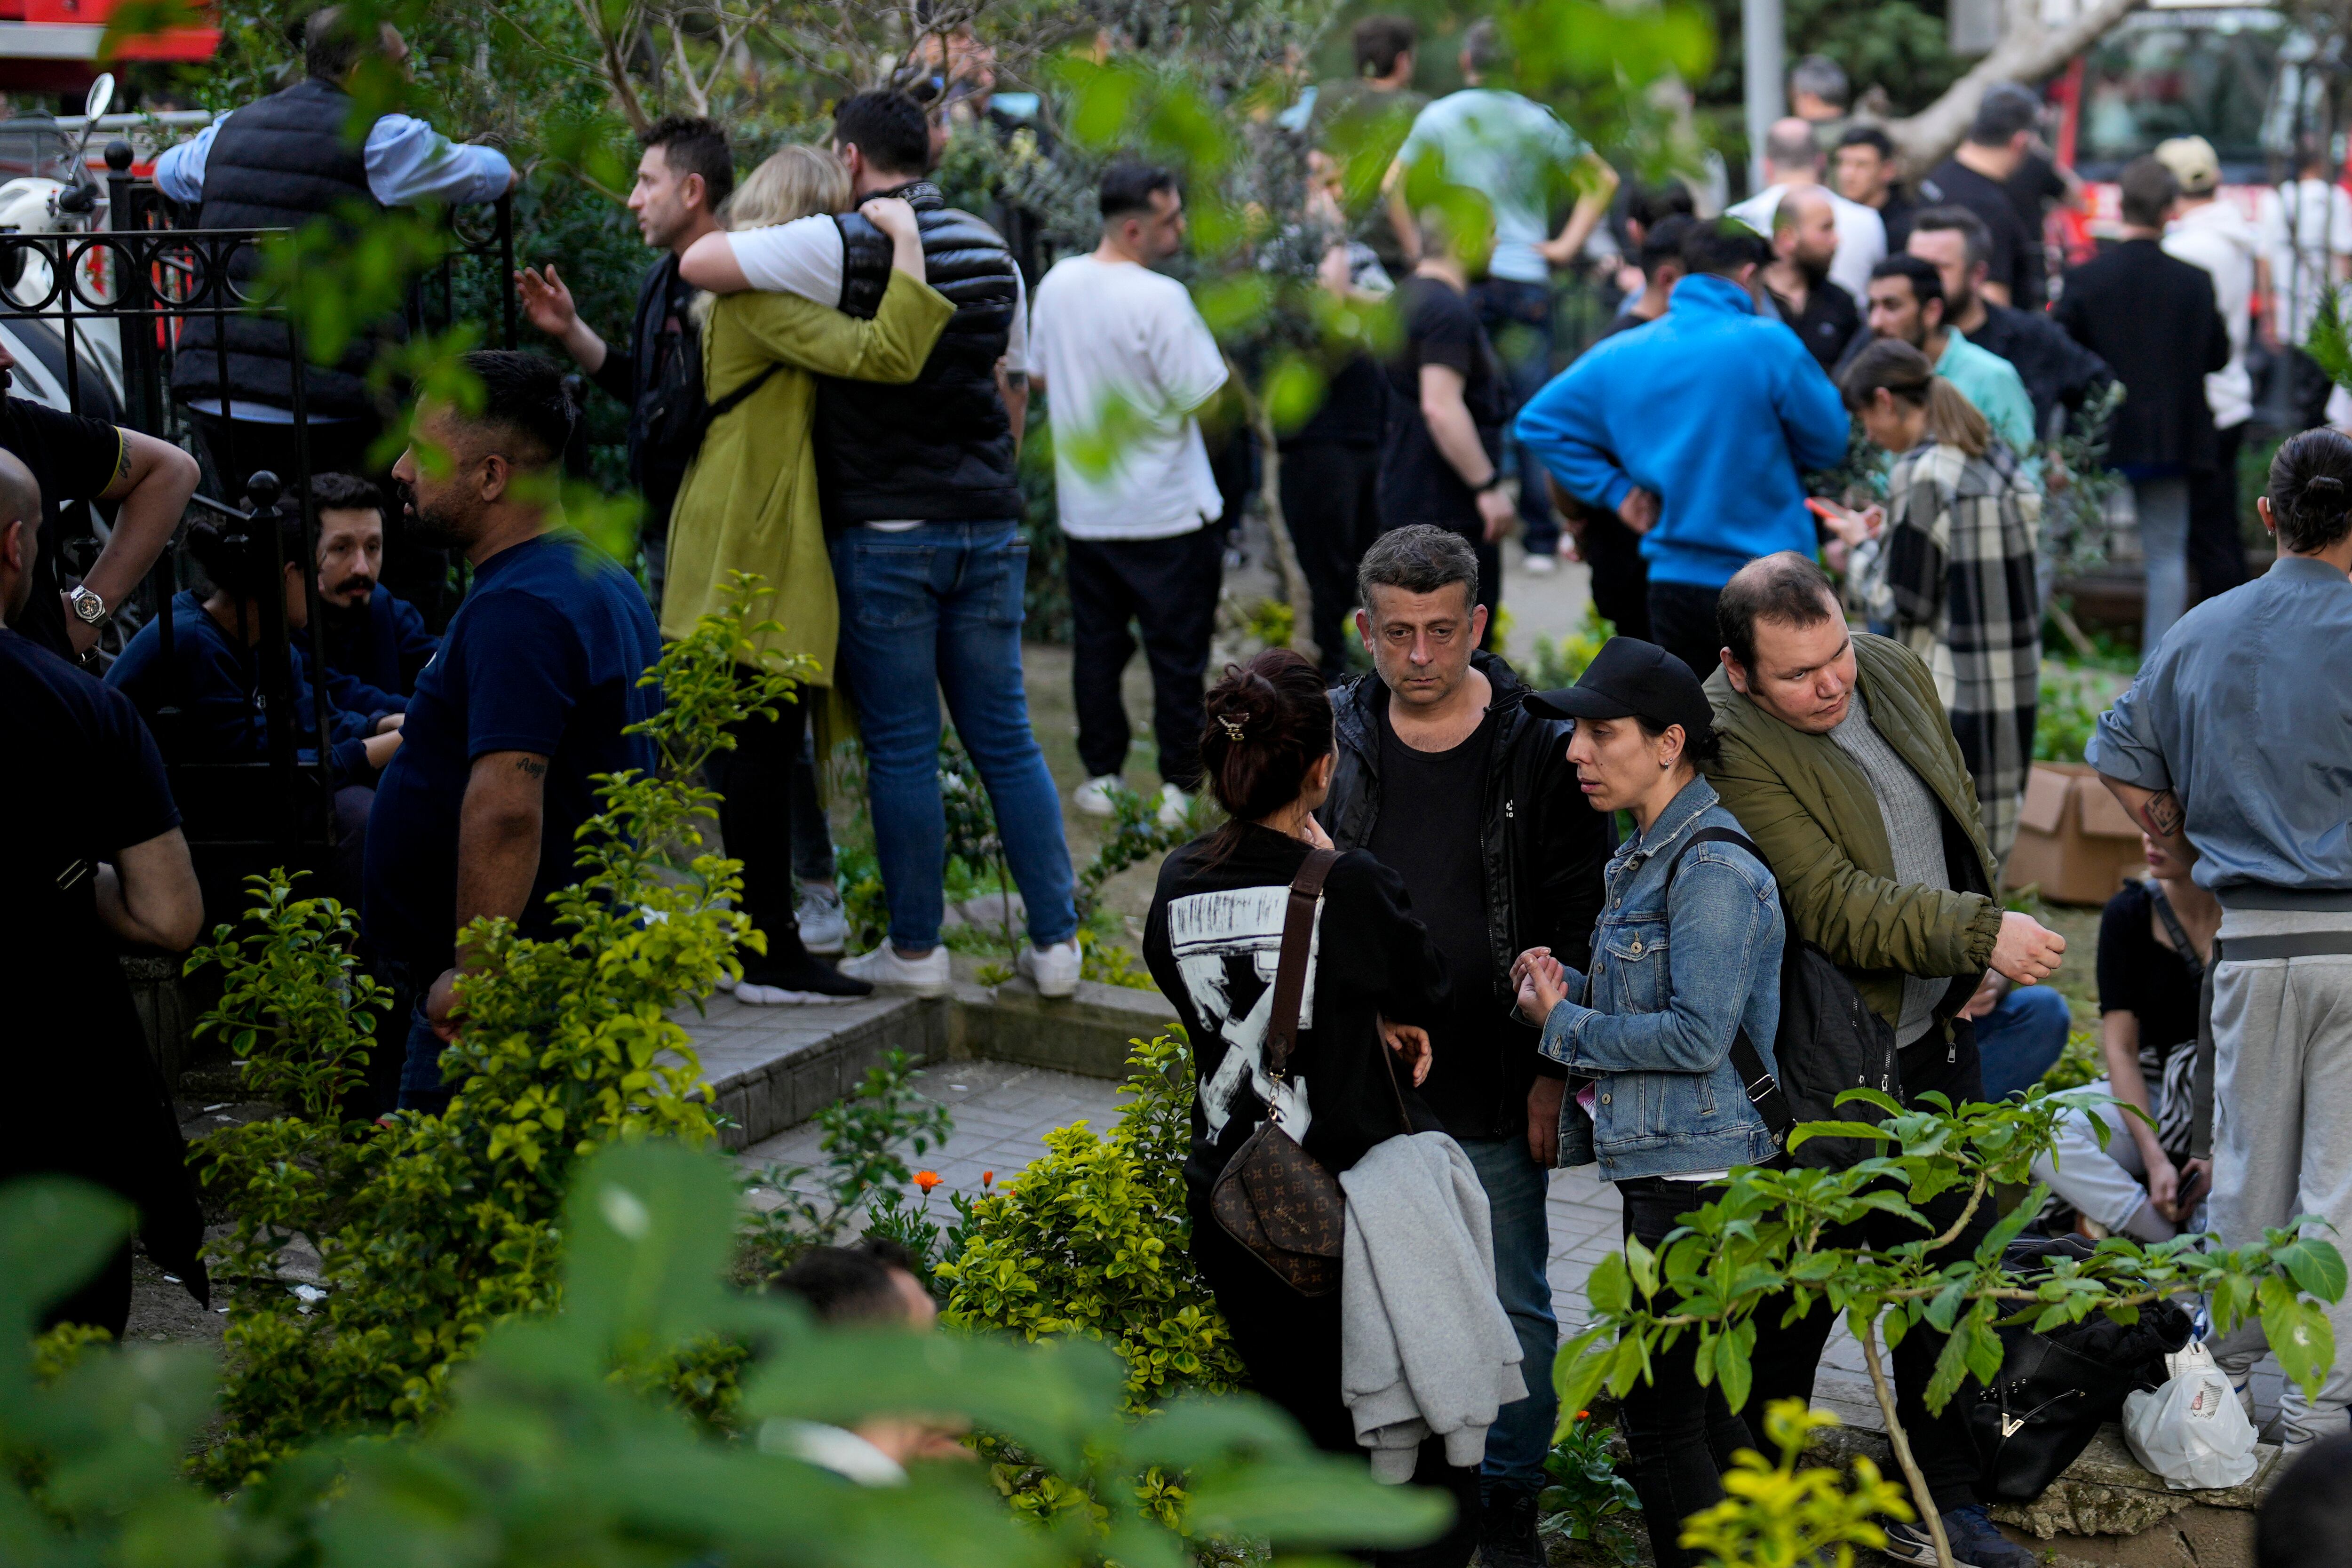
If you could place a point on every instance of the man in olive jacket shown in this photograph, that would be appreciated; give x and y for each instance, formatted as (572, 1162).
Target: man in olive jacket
(1840, 762)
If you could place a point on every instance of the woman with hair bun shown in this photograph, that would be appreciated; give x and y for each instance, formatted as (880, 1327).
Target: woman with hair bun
(1213, 941)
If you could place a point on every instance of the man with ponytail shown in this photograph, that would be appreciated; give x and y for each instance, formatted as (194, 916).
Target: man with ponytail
(2237, 737)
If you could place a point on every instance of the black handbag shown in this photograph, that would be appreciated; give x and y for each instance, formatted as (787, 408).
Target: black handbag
(2051, 1395)
(1273, 1196)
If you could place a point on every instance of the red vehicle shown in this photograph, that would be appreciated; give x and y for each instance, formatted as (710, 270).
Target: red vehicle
(52, 45)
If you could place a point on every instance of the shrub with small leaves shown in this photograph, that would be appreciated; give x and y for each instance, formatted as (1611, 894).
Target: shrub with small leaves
(1774, 1515)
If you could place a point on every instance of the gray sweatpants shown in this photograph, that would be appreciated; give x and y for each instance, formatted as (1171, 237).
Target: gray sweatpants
(2283, 1123)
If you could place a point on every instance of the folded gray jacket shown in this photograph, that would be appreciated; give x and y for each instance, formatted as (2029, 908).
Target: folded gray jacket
(1424, 1347)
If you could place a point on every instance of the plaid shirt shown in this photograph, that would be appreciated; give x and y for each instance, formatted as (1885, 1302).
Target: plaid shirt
(1952, 574)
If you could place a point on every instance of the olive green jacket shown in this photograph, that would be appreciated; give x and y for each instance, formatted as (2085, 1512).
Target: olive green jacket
(748, 501)
(1809, 808)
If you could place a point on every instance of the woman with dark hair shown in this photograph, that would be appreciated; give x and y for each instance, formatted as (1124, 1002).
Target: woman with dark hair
(216, 682)
(1948, 567)
(1685, 981)
(1213, 942)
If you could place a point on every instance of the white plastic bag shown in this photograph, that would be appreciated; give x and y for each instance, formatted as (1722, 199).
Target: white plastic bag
(2191, 1431)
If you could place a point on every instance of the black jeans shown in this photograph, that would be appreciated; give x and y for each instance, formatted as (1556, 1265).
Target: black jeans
(2217, 554)
(758, 780)
(1947, 1456)
(1518, 317)
(1621, 578)
(1289, 1345)
(1330, 498)
(1682, 621)
(1682, 1436)
(1168, 589)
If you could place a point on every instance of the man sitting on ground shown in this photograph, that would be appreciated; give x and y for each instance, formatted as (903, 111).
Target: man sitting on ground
(1838, 760)
(871, 1285)
(371, 637)
(529, 697)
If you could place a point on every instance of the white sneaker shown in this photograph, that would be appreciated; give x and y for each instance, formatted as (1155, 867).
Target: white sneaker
(1541, 565)
(925, 977)
(1055, 969)
(824, 927)
(1173, 803)
(1093, 798)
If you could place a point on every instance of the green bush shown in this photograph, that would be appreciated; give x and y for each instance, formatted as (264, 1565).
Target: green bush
(546, 1451)
(430, 1230)
(1093, 1241)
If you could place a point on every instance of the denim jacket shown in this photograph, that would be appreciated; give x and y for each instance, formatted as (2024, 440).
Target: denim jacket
(1673, 983)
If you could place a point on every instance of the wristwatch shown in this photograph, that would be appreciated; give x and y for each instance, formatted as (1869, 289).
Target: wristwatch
(1494, 482)
(88, 607)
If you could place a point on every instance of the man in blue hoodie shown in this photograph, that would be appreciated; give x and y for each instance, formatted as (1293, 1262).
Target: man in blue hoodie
(1695, 430)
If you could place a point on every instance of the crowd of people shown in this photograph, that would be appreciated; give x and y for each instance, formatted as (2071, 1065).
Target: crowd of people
(829, 374)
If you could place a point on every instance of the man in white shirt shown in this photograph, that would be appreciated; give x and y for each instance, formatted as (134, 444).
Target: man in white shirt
(2212, 234)
(1125, 361)
(2306, 229)
(1792, 159)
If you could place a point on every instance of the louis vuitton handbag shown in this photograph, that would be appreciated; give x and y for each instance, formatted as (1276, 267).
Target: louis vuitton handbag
(1273, 1196)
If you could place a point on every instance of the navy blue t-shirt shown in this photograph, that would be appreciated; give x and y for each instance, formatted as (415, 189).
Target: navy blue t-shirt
(544, 656)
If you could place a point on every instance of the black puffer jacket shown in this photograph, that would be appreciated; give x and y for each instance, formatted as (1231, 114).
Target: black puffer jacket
(1544, 849)
(941, 448)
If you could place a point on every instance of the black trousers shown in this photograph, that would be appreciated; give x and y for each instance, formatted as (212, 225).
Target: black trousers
(2217, 554)
(1621, 578)
(1947, 1456)
(1167, 588)
(1682, 621)
(757, 782)
(1289, 1345)
(1330, 498)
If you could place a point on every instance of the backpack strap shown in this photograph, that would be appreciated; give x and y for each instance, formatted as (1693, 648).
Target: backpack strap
(1763, 1089)
(1290, 974)
(734, 400)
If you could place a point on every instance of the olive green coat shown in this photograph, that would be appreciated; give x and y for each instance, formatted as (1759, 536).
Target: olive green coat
(1810, 809)
(748, 501)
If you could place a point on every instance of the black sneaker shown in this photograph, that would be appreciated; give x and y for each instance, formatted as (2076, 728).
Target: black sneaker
(1506, 1530)
(1977, 1543)
(774, 983)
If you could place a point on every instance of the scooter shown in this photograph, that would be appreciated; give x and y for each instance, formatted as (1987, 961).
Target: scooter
(57, 195)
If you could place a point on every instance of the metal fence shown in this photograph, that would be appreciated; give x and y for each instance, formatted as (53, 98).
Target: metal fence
(103, 311)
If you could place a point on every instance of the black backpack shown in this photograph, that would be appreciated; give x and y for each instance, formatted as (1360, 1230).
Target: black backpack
(1828, 1041)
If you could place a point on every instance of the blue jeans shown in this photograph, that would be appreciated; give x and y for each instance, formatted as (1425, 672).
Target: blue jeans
(2018, 1041)
(935, 608)
(421, 1088)
(1521, 1434)
(1519, 318)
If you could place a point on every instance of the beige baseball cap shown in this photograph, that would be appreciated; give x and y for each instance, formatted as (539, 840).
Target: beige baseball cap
(2192, 161)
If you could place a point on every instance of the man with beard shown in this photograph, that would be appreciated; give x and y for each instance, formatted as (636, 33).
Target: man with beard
(528, 699)
(683, 175)
(1804, 241)
(2057, 370)
(371, 638)
(1906, 301)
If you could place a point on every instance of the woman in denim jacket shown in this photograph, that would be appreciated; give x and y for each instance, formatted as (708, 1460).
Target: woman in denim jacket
(1678, 971)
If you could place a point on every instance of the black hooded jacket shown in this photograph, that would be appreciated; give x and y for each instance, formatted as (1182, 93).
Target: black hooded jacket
(1544, 849)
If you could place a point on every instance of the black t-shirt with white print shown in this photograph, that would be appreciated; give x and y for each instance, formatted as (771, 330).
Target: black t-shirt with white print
(1213, 942)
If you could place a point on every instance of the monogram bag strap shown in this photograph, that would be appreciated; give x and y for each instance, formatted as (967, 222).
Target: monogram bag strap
(1290, 974)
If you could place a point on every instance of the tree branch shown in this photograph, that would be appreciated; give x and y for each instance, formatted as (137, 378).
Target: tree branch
(2027, 51)
(1920, 1495)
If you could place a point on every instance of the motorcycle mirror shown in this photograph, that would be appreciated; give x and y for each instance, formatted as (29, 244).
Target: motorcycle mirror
(101, 96)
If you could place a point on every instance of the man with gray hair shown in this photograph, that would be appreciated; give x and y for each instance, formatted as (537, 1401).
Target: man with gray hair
(1819, 95)
(1469, 797)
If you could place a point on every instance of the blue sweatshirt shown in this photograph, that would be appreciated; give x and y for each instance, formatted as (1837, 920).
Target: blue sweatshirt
(1711, 408)
(380, 646)
(217, 687)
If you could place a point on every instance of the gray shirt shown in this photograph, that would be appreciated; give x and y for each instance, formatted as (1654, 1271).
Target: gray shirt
(2245, 712)
(1915, 832)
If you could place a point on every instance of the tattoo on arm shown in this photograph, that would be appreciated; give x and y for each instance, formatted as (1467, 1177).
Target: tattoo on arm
(2163, 814)
(1018, 380)
(121, 458)
(531, 766)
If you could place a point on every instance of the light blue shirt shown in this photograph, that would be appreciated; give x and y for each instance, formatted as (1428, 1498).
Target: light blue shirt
(1510, 150)
(407, 163)
(2244, 712)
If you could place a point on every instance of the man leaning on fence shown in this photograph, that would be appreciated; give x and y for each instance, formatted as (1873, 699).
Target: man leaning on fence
(280, 164)
(2238, 737)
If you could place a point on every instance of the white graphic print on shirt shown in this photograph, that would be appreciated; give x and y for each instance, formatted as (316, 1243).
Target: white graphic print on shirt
(1227, 946)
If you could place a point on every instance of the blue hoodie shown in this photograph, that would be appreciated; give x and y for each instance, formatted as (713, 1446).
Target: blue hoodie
(1714, 410)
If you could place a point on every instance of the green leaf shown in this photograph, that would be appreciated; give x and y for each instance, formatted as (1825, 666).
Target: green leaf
(2316, 1267)
(1878, 1097)
(1952, 1367)
(1643, 1265)
(1733, 1367)
(1806, 1132)
(1610, 1286)
(2299, 1335)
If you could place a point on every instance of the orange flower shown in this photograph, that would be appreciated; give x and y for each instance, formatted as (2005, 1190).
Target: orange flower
(1584, 1416)
(988, 1178)
(927, 1179)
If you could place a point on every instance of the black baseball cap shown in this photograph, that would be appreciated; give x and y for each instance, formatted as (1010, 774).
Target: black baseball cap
(1630, 679)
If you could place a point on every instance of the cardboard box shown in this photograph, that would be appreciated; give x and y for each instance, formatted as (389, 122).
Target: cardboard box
(2075, 840)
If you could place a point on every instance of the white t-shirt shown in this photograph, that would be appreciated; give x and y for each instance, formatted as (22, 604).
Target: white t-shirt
(1126, 360)
(804, 257)
(2302, 246)
(1861, 236)
(2217, 238)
